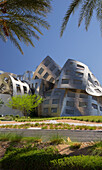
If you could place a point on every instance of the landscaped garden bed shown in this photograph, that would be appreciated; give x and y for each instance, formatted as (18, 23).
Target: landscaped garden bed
(52, 126)
(23, 153)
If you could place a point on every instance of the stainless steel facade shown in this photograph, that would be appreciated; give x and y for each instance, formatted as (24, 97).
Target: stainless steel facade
(68, 91)
(75, 91)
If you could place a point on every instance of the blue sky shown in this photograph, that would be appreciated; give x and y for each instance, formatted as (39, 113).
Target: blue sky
(76, 44)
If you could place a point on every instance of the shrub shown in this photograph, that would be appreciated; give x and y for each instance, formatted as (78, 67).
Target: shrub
(78, 163)
(75, 145)
(56, 139)
(28, 158)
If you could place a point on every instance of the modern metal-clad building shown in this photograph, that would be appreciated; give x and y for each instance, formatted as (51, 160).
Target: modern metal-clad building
(76, 92)
(72, 90)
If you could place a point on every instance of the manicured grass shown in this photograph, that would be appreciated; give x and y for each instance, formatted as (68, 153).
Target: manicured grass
(81, 118)
(28, 119)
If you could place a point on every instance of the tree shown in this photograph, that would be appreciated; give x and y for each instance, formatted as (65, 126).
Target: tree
(87, 8)
(22, 19)
(25, 103)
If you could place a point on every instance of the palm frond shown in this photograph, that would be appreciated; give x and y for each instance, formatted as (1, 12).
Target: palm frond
(71, 8)
(89, 12)
(23, 19)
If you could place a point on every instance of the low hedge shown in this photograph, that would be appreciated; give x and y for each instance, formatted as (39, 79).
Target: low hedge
(78, 163)
(47, 159)
(28, 159)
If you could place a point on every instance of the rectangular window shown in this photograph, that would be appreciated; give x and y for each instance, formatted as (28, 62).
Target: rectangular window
(47, 62)
(45, 110)
(46, 102)
(57, 72)
(54, 110)
(57, 93)
(51, 79)
(83, 95)
(78, 74)
(36, 85)
(18, 88)
(25, 89)
(67, 72)
(70, 94)
(80, 66)
(77, 82)
(65, 81)
(82, 104)
(47, 94)
(52, 68)
(70, 103)
(41, 70)
(55, 101)
(69, 112)
(94, 106)
(46, 75)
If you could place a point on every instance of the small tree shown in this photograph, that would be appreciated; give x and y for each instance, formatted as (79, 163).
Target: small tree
(25, 103)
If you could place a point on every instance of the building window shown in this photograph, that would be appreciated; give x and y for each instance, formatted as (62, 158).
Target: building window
(25, 89)
(18, 88)
(41, 70)
(15, 78)
(82, 104)
(47, 94)
(51, 79)
(57, 93)
(69, 112)
(100, 108)
(67, 72)
(94, 106)
(97, 90)
(94, 98)
(46, 75)
(45, 110)
(52, 68)
(46, 102)
(57, 72)
(36, 85)
(77, 82)
(6, 79)
(2, 87)
(55, 101)
(96, 83)
(88, 89)
(70, 94)
(70, 103)
(83, 95)
(80, 66)
(65, 81)
(78, 74)
(47, 62)
(54, 110)
(36, 77)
